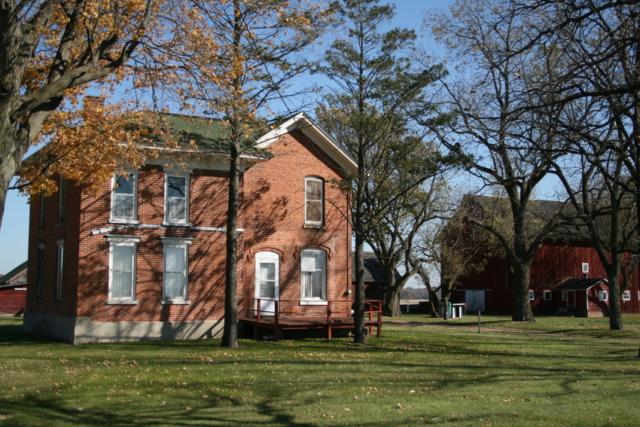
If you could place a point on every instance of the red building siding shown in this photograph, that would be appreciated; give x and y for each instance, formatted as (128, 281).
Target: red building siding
(553, 264)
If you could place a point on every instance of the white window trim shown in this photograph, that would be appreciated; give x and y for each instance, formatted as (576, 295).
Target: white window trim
(626, 295)
(545, 293)
(59, 268)
(181, 242)
(117, 220)
(187, 192)
(585, 267)
(639, 295)
(315, 300)
(531, 295)
(603, 296)
(120, 240)
(306, 221)
(268, 257)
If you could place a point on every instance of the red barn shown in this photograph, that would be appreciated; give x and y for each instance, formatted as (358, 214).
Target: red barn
(144, 258)
(13, 290)
(566, 277)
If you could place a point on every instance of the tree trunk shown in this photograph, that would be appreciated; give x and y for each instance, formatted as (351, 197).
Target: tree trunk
(391, 306)
(230, 336)
(615, 310)
(520, 276)
(434, 302)
(358, 332)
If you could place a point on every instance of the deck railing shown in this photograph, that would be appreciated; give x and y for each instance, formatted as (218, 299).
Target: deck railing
(329, 311)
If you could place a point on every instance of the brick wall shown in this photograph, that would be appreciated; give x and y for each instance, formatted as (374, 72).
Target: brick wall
(48, 235)
(274, 214)
(208, 199)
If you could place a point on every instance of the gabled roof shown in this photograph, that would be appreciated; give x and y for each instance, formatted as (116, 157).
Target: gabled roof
(373, 272)
(579, 284)
(317, 135)
(12, 278)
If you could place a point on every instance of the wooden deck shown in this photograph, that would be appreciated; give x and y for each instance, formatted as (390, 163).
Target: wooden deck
(280, 320)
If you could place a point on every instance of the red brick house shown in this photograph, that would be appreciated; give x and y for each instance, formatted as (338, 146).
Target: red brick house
(13, 290)
(566, 277)
(144, 258)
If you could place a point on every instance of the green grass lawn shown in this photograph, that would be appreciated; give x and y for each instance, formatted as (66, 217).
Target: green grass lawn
(417, 373)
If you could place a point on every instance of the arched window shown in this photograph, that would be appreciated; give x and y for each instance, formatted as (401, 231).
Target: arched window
(313, 201)
(313, 276)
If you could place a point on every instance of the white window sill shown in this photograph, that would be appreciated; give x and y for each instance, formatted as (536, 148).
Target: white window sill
(123, 221)
(175, 302)
(316, 226)
(176, 224)
(313, 302)
(122, 302)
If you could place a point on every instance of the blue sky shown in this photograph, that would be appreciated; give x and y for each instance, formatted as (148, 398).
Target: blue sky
(14, 230)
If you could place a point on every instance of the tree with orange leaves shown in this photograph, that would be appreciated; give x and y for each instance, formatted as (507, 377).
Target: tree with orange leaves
(50, 53)
(238, 56)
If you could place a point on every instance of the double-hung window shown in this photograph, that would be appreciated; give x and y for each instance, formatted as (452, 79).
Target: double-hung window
(313, 201)
(626, 295)
(59, 269)
(122, 269)
(176, 200)
(314, 276)
(531, 295)
(123, 198)
(546, 295)
(176, 267)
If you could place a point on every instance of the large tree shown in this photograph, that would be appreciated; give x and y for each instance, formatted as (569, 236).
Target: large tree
(373, 83)
(590, 89)
(51, 51)
(498, 137)
(238, 57)
(407, 209)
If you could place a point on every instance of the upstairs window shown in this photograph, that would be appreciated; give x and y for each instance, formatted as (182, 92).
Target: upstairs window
(314, 275)
(585, 268)
(313, 201)
(176, 201)
(626, 295)
(62, 184)
(123, 198)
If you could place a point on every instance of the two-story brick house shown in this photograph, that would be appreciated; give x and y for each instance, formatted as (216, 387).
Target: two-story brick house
(144, 257)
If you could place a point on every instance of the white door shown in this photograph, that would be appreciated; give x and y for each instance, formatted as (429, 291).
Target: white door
(267, 282)
(474, 301)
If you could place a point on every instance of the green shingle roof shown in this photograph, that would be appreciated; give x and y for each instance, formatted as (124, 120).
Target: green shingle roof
(200, 133)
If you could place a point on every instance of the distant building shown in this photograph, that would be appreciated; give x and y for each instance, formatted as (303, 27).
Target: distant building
(566, 276)
(13, 290)
(373, 277)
